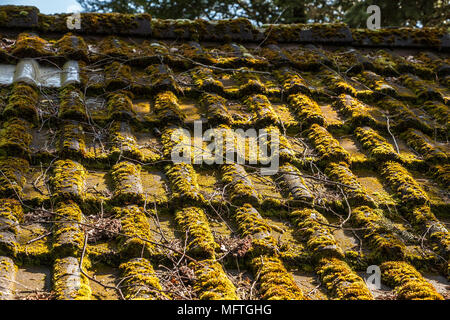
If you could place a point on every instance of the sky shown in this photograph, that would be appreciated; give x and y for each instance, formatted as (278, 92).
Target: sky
(47, 6)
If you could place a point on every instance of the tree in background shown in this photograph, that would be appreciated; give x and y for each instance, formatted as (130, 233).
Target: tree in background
(393, 13)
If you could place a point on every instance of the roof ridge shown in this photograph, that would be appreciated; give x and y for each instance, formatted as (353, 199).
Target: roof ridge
(237, 30)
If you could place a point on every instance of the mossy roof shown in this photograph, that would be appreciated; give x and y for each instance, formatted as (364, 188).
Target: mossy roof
(86, 118)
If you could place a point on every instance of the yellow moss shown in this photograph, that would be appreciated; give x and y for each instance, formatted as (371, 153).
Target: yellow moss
(401, 181)
(311, 226)
(22, 102)
(407, 282)
(200, 239)
(306, 109)
(72, 47)
(420, 143)
(71, 104)
(358, 111)
(167, 109)
(217, 111)
(204, 80)
(292, 82)
(68, 180)
(240, 188)
(123, 142)
(136, 229)
(31, 46)
(12, 179)
(15, 139)
(327, 147)
(377, 145)
(72, 143)
(275, 283)
(120, 106)
(184, 182)
(294, 182)
(127, 182)
(175, 137)
(11, 214)
(212, 282)
(385, 244)
(68, 236)
(341, 281)
(250, 221)
(68, 281)
(262, 109)
(140, 281)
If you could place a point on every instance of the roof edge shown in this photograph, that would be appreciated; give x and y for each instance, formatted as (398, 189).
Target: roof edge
(29, 18)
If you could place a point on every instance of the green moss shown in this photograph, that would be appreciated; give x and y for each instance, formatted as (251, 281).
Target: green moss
(15, 139)
(439, 111)
(200, 241)
(162, 79)
(377, 83)
(72, 47)
(117, 76)
(441, 172)
(71, 104)
(31, 46)
(212, 282)
(22, 102)
(12, 178)
(407, 282)
(423, 89)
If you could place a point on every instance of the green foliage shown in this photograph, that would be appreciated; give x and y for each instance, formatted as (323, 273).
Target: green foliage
(393, 13)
